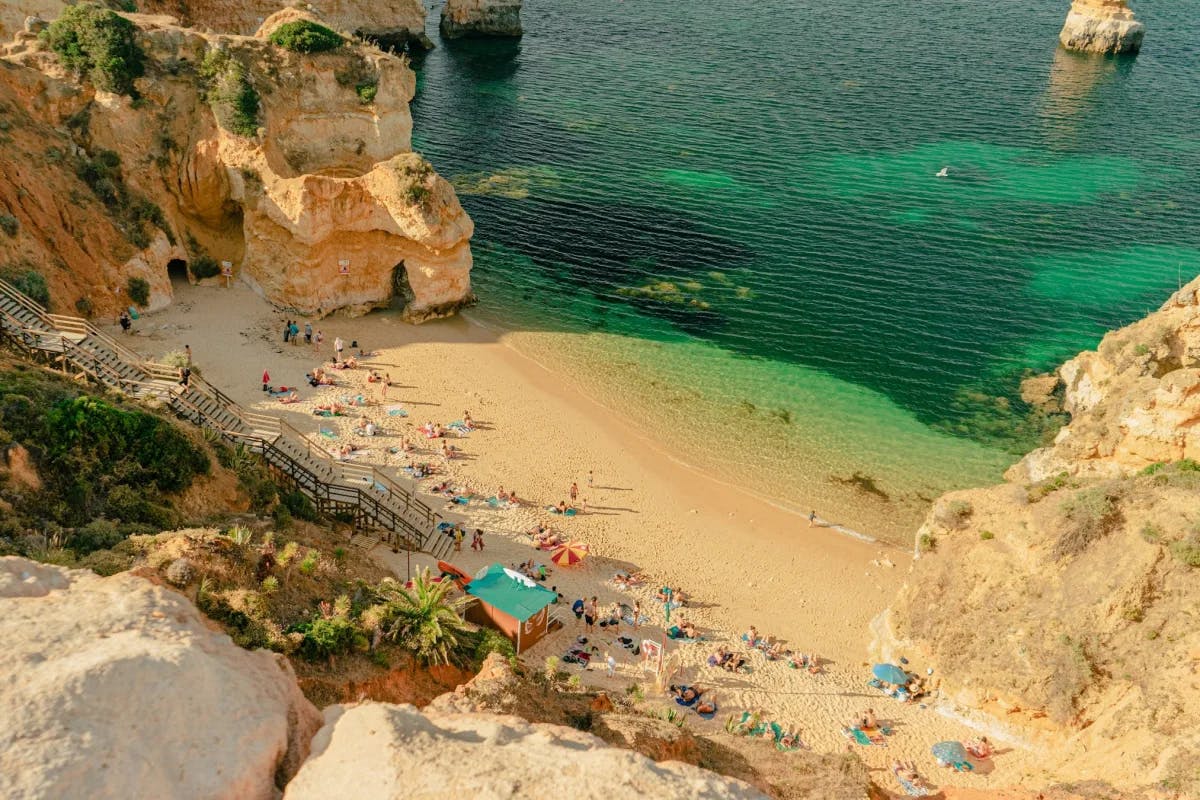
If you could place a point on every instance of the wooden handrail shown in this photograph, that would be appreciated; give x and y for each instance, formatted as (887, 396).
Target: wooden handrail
(388, 508)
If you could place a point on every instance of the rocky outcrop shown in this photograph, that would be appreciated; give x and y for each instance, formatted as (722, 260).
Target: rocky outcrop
(389, 751)
(1134, 401)
(317, 200)
(1101, 26)
(470, 18)
(115, 687)
(393, 24)
(1059, 604)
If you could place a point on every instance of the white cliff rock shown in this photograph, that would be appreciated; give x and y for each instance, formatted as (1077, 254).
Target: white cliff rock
(115, 687)
(391, 752)
(1101, 26)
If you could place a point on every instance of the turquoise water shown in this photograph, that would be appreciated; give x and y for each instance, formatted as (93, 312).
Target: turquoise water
(740, 200)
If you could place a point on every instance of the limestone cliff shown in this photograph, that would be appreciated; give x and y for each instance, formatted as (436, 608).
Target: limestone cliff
(117, 688)
(464, 18)
(297, 168)
(388, 751)
(1134, 401)
(393, 24)
(1101, 26)
(1060, 603)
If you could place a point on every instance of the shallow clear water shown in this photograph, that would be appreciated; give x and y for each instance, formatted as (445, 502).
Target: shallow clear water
(724, 218)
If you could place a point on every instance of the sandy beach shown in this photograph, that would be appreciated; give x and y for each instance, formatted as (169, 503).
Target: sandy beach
(742, 560)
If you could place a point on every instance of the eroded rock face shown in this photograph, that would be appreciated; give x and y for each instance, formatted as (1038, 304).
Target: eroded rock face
(390, 751)
(1134, 401)
(1101, 26)
(115, 687)
(467, 18)
(395, 24)
(323, 177)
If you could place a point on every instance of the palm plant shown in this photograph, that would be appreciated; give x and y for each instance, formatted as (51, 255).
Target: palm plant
(425, 619)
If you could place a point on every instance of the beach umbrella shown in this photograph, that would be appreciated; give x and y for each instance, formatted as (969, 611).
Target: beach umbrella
(568, 555)
(890, 673)
(950, 752)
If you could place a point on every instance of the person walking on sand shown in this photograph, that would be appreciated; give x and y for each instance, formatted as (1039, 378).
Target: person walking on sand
(308, 333)
(295, 331)
(611, 663)
(812, 519)
(187, 352)
(574, 491)
(320, 337)
(589, 615)
(477, 540)
(266, 381)
(637, 614)
(591, 480)
(338, 344)
(126, 322)
(458, 537)
(287, 330)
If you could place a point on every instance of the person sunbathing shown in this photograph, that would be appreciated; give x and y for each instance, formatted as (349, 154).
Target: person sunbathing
(750, 637)
(373, 377)
(790, 739)
(294, 397)
(513, 499)
(707, 705)
(735, 663)
(906, 773)
(719, 658)
(468, 423)
(864, 720)
(688, 629)
(688, 694)
(561, 508)
(502, 495)
(980, 748)
(449, 451)
(351, 363)
(346, 450)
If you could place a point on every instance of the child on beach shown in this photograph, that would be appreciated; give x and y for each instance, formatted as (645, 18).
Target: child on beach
(477, 540)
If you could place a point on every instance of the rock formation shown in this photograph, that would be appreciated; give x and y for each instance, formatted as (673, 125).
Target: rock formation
(1060, 603)
(1134, 400)
(1101, 26)
(315, 198)
(393, 24)
(388, 751)
(115, 687)
(463, 18)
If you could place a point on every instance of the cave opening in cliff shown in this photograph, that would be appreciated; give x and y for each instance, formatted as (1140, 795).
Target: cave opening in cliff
(177, 270)
(402, 293)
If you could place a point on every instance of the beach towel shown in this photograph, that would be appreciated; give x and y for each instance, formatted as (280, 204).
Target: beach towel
(396, 411)
(912, 790)
(686, 703)
(710, 714)
(322, 412)
(328, 433)
(675, 633)
(461, 500)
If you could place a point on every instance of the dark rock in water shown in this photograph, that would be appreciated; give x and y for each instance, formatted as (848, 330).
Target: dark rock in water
(476, 18)
(398, 41)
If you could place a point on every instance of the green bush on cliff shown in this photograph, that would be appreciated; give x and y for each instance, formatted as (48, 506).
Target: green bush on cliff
(366, 92)
(227, 87)
(139, 290)
(29, 281)
(100, 44)
(303, 36)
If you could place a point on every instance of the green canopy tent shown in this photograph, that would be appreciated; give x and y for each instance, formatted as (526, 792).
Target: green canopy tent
(512, 604)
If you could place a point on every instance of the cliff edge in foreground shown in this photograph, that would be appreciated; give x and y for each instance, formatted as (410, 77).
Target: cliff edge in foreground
(115, 687)
(1101, 26)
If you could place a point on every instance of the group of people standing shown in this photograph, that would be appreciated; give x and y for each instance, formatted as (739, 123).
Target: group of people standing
(291, 333)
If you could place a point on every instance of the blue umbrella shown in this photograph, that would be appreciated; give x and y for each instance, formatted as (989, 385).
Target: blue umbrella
(950, 752)
(890, 673)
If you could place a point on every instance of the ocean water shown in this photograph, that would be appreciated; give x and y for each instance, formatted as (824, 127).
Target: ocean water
(723, 219)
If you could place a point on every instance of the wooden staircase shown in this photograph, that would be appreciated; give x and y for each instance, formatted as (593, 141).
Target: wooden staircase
(375, 501)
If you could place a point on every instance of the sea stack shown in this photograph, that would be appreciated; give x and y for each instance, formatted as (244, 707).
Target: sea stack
(1101, 26)
(477, 18)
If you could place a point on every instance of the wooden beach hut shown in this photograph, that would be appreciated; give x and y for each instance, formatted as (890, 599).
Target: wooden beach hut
(511, 603)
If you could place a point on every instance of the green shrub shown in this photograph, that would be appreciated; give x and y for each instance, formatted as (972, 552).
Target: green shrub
(9, 224)
(227, 87)
(366, 92)
(102, 174)
(1090, 514)
(299, 506)
(953, 514)
(139, 290)
(325, 638)
(204, 266)
(29, 281)
(303, 36)
(270, 585)
(986, 536)
(106, 562)
(926, 543)
(85, 308)
(99, 534)
(309, 564)
(1151, 533)
(489, 641)
(96, 42)
(1187, 550)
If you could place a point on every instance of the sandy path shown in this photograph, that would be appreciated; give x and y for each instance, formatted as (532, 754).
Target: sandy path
(742, 560)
